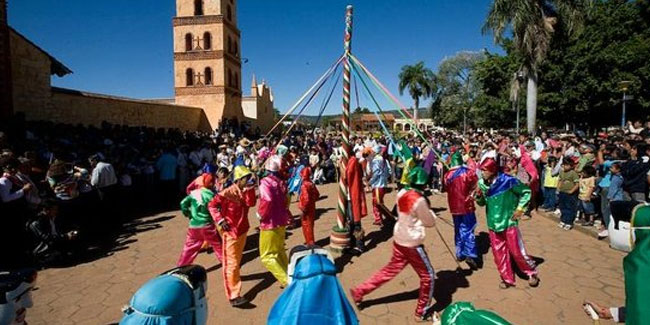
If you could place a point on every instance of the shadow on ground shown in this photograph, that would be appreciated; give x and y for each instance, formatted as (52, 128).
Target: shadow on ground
(446, 284)
(107, 240)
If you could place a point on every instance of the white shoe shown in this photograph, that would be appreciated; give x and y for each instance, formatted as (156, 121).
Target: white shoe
(557, 212)
(603, 234)
(561, 225)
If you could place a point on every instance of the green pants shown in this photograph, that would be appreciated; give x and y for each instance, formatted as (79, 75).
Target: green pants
(272, 253)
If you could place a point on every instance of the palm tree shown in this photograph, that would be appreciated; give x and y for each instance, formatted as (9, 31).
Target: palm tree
(420, 82)
(532, 23)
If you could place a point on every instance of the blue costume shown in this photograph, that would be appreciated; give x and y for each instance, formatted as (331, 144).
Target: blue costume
(460, 182)
(314, 295)
(295, 181)
(176, 297)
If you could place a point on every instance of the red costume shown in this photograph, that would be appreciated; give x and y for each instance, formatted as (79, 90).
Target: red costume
(308, 196)
(357, 206)
(354, 175)
(460, 182)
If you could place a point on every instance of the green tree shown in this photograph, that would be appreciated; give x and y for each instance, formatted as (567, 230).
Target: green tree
(492, 107)
(533, 23)
(420, 81)
(458, 82)
(579, 81)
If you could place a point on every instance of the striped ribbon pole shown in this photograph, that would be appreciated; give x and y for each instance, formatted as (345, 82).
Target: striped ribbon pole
(345, 118)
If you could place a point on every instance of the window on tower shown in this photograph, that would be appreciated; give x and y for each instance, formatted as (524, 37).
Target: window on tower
(236, 48)
(189, 77)
(207, 41)
(198, 7)
(229, 44)
(188, 42)
(236, 80)
(208, 75)
(229, 78)
(229, 13)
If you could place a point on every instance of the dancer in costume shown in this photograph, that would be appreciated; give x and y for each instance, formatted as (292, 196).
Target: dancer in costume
(274, 217)
(229, 209)
(506, 200)
(636, 269)
(460, 182)
(201, 228)
(308, 196)
(295, 180)
(198, 181)
(178, 296)
(312, 267)
(414, 215)
(379, 172)
(357, 196)
(464, 313)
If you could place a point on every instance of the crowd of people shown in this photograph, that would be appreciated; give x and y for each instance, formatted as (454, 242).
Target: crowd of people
(60, 185)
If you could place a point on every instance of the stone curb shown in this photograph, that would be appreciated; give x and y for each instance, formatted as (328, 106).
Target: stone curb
(585, 230)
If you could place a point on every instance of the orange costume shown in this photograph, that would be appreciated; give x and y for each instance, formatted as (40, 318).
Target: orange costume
(229, 209)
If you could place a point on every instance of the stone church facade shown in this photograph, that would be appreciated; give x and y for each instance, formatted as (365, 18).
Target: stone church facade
(207, 71)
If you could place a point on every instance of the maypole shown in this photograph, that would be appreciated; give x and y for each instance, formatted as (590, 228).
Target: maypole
(339, 239)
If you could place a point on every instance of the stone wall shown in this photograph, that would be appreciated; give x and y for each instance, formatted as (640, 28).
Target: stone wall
(71, 106)
(31, 69)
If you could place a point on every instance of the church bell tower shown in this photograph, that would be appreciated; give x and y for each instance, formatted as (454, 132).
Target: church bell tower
(207, 61)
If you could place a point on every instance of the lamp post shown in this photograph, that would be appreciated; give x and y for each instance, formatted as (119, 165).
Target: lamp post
(624, 86)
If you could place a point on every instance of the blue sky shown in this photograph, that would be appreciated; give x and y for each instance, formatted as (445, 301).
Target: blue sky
(124, 47)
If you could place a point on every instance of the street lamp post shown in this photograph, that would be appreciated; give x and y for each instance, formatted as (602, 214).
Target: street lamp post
(624, 86)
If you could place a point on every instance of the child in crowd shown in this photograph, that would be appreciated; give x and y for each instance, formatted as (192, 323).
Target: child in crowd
(568, 185)
(550, 185)
(587, 186)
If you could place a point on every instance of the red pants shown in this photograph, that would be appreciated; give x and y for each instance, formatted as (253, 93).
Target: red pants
(194, 241)
(308, 226)
(377, 198)
(508, 244)
(417, 257)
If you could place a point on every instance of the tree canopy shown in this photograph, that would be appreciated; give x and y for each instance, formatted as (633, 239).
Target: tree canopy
(578, 80)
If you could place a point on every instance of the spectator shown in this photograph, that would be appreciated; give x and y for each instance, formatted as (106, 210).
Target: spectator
(50, 244)
(103, 175)
(587, 187)
(568, 185)
(550, 185)
(166, 166)
(634, 174)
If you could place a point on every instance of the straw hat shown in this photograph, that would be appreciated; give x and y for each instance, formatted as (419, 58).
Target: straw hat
(244, 142)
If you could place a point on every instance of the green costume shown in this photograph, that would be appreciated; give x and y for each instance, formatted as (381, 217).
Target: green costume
(636, 266)
(503, 197)
(462, 313)
(195, 207)
(456, 159)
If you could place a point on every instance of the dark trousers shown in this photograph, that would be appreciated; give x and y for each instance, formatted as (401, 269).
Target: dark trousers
(568, 204)
(550, 198)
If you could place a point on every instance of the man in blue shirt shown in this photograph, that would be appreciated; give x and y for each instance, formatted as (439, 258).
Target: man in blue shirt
(166, 167)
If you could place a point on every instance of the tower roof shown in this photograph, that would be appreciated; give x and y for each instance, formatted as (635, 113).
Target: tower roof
(254, 82)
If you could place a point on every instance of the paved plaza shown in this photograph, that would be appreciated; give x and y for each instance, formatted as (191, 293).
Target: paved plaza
(573, 267)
